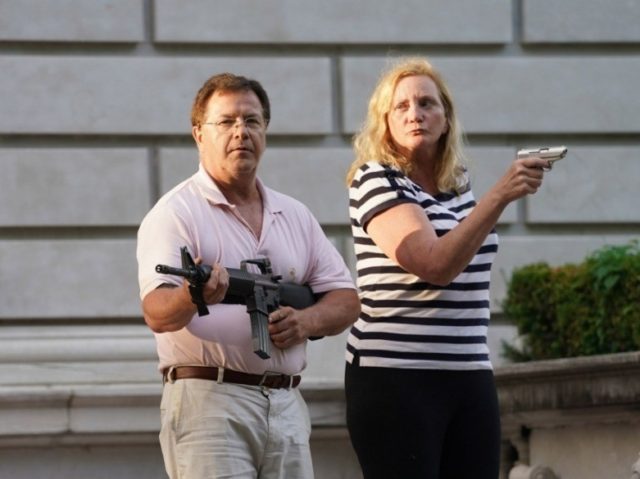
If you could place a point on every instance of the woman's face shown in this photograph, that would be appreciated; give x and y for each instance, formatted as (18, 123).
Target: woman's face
(417, 118)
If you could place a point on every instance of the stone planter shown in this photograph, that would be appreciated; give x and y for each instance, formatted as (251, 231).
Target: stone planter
(575, 418)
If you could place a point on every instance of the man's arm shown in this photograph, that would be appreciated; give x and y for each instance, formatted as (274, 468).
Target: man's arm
(331, 315)
(170, 308)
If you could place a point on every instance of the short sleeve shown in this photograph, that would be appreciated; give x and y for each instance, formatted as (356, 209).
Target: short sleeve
(328, 270)
(160, 237)
(376, 188)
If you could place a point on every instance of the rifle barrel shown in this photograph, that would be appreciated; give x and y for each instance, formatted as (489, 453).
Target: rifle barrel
(164, 269)
(190, 274)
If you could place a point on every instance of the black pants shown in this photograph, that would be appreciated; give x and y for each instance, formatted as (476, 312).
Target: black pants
(423, 424)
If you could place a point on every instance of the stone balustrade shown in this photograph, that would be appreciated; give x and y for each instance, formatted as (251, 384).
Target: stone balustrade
(568, 418)
(575, 418)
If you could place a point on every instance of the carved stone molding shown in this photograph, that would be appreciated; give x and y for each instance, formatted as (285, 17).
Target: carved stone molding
(635, 470)
(522, 471)
(564, 398)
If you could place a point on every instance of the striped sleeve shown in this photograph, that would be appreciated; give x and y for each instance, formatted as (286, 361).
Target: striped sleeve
(374, 189)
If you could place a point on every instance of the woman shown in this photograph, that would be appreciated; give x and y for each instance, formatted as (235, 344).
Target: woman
(421, 401)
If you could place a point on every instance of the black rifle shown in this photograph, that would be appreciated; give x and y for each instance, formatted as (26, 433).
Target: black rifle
(261, 293)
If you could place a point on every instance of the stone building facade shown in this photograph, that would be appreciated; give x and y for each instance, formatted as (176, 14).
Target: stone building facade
(94, 127)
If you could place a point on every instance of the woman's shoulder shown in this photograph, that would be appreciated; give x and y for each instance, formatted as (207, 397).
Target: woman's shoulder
(374, 169)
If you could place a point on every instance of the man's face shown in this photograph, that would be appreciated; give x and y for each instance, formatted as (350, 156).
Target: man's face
(232, 136)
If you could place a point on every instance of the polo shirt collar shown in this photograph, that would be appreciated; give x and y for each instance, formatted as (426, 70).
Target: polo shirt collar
(211, 192)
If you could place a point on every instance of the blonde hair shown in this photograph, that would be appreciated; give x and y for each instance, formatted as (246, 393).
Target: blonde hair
(374, 143)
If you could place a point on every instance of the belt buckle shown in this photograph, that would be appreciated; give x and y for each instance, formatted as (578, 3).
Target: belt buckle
(281, 384)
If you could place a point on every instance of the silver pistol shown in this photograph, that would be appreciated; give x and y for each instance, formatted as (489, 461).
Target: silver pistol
(551, 153)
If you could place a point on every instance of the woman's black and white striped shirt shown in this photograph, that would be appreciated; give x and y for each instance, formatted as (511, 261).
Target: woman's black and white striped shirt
(406, 322)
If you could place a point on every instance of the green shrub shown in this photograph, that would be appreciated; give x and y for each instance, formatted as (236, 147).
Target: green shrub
(576, 309)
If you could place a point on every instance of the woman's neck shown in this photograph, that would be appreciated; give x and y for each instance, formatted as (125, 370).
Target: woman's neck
(423, 173)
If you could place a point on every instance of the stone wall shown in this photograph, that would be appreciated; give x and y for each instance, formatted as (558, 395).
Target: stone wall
(94, 127)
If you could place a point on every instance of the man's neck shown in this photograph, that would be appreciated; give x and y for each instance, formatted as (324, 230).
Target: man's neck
(238, 191)
(247, 201)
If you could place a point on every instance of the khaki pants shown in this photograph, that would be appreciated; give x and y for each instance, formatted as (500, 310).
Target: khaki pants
(212, 430)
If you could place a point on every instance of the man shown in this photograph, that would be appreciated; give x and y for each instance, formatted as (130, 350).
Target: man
(226, 412)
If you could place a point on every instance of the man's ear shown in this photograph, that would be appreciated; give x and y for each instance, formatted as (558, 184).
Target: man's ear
(196, 132)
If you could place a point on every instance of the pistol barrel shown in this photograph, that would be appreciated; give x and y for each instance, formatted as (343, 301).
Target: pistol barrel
(553, 153)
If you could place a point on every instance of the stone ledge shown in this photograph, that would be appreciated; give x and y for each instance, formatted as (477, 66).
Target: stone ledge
(37, 410)
(594, 389)
(69, 439)
(109, 439)
(579, 417)
(44, 415)
(599, 364)
(326, 404)
(566, 394)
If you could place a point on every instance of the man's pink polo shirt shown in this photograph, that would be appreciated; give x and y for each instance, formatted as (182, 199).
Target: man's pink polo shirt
(196, 214)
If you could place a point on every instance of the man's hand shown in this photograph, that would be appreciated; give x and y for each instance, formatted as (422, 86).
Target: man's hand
(171, 308)
(288, 327)
(332, 314)
(216, 286)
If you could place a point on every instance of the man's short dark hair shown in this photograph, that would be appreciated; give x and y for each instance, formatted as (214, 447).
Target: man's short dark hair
(227, 82)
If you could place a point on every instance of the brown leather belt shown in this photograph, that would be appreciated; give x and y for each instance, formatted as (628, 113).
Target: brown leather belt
(268, 379)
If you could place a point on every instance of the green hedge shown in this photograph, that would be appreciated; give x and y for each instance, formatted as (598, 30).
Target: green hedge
(576, 309)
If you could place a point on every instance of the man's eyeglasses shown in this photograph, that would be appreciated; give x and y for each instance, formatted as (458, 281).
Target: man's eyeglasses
(224, 125)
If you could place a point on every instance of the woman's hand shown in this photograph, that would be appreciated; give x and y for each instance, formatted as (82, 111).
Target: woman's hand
(523, 177)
